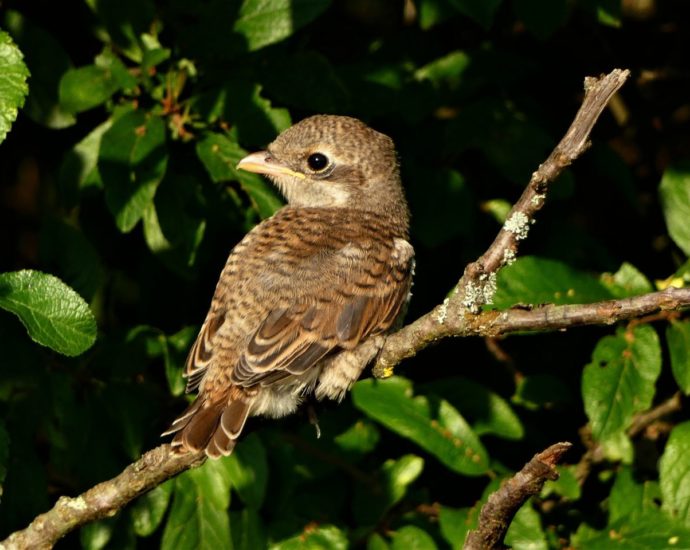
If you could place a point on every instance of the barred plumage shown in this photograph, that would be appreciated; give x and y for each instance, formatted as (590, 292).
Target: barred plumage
(328, 271)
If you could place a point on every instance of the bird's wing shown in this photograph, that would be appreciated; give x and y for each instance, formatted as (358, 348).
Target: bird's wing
(364, 298)
(201, 352)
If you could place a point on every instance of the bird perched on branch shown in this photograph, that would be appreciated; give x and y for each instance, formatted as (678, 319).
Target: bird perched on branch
(326, 272)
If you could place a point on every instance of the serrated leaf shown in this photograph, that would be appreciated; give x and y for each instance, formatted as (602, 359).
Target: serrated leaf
(220, 156)
(198, 516)
(620, 380)
(248, 467)
(47, 62)
(263, 22)
(54, 315)
(443, 432)
(388, 487)
(411, 537)
(488, 411)
(13, 86)
(674, 193)
(525, 531)
(148, 510)
(322, 537)
(533, 280)
(132, 162)
(678, 338)
(674, 474)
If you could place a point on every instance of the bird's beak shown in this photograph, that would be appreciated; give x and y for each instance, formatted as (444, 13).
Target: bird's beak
(262, 163)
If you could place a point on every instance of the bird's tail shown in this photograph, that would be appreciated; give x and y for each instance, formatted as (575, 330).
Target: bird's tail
(213, 426)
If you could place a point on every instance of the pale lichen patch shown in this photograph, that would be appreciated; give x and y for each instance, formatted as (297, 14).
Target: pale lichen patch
(518, 225)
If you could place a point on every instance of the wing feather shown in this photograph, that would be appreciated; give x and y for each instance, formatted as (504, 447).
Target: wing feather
(294, 338)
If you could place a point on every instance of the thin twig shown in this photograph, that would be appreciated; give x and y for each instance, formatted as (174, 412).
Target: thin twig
(498, 512)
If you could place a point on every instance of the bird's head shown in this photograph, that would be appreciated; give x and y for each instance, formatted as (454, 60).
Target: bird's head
(332, 161)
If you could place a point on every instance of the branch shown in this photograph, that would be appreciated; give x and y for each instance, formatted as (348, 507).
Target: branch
(454, 317)
(478, 283)
(105, 499)
(498, 512)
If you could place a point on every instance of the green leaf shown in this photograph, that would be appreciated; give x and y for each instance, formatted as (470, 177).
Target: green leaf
(132, 162)
(455, 524)
(359, 439)
(566, 485)
(248, 531)
(525, 531)
(678, 338)
(674, 193)
(248, 467)
(79, 168)
(541, 18)
(482, 11)
(631, 499)
(620, 380)
(263, 22)
(533, 280)
(488, 411)
(148, 510)
(412, 538)
(86, 87)
(443, 432)
(198, 517)
(13, 86)
(627, 281)
(449, 69)
(240, 104)
(220, 156)
(322, 537)
(47, 62)
(176, 351)
(674, 474)
(654, 529)
(388, 487)
(54, 315)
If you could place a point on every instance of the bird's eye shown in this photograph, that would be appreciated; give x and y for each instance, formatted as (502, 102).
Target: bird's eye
(317, 161)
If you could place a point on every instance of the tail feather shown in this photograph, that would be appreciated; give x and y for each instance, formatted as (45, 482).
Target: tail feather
(210, 426)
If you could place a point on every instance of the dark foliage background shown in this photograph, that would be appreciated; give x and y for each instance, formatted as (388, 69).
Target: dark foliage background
(475, 95)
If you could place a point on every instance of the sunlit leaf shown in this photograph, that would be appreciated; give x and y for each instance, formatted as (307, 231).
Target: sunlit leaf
(620, 380)
(54, 315)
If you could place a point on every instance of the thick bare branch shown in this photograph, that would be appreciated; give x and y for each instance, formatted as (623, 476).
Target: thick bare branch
(105, 499)
(498, 512)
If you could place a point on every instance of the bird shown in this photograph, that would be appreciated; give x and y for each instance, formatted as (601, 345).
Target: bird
(328, 271)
